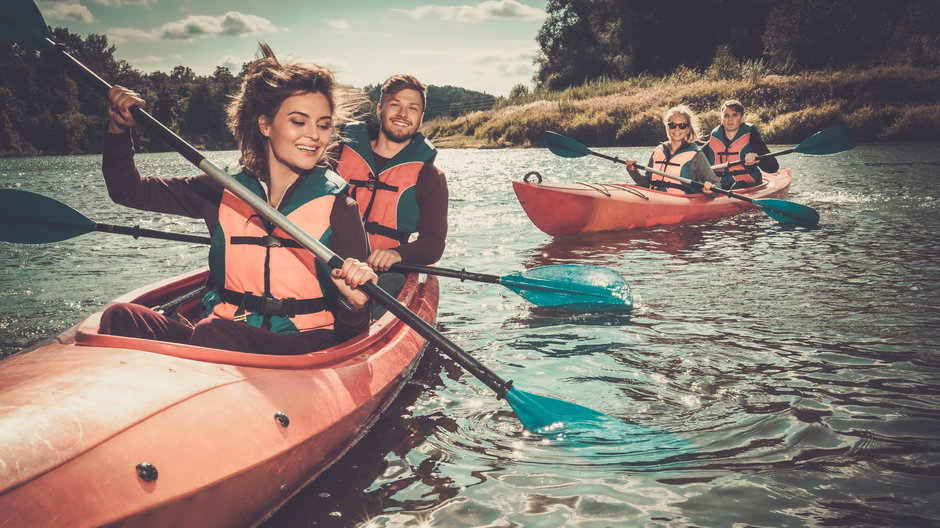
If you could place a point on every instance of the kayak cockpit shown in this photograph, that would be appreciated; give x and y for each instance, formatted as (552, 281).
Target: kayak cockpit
(182, 296)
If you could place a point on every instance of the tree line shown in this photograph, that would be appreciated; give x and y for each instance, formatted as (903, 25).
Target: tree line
(585, 40)
(45, 111)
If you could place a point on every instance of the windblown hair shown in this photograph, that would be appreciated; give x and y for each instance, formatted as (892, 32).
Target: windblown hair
(733, 104)
(267, 83)
(403, 81)
(683, 110)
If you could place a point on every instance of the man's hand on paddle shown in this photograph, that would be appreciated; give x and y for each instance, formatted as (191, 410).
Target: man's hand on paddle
(382, 259)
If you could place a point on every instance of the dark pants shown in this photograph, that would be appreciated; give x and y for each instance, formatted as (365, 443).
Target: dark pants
(135, 320)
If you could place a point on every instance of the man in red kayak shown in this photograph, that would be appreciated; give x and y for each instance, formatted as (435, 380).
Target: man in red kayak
(735, 140)
(390, 168)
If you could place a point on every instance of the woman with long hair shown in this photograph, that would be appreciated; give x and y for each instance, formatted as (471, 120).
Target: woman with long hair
(266, 293)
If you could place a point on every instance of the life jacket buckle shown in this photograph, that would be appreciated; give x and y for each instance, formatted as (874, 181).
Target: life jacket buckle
(272, 241)
(282, 307)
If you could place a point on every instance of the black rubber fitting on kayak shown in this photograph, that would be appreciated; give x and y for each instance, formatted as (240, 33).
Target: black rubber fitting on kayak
(537, 176)
(282, 419)
(147, 471)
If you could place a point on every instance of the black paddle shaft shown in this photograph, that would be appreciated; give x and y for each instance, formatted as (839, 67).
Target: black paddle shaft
(138, 232)
(404, 267)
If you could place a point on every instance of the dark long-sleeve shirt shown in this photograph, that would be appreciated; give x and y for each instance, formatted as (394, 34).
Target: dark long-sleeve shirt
(200, 196)
(432, 196)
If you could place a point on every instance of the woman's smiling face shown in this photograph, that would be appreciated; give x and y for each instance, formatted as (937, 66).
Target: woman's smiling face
(299, 132)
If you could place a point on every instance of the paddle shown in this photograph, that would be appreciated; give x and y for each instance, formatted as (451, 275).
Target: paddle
(829, 141)
(572, 285)
(30, 218)
(780, 210)
(23, 23)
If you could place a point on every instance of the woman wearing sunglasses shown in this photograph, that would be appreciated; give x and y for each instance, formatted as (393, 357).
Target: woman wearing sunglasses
(678, 155)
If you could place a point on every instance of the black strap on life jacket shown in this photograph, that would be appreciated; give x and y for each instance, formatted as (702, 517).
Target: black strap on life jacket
(269, 306)
(376, 228)
(269, 241)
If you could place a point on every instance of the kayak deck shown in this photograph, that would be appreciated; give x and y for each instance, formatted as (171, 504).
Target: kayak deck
(87, 420)
(571, 208)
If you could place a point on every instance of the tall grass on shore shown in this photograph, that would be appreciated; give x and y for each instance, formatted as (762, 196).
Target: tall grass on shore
(888, 103)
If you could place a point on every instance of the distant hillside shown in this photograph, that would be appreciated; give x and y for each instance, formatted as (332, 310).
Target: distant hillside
(881, 104)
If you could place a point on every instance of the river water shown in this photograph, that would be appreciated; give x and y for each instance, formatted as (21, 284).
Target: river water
(800, 366)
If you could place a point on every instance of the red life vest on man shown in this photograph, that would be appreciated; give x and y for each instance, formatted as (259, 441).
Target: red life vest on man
(676, 164)
(721, 150)
(264, 277)
(387, 199)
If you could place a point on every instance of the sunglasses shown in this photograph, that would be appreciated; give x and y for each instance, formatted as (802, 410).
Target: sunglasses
(682, 126)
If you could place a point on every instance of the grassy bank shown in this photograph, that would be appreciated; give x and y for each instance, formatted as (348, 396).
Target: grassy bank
(881, 104)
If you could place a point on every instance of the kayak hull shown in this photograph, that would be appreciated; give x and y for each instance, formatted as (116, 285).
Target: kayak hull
(110, 431)
(572, 208)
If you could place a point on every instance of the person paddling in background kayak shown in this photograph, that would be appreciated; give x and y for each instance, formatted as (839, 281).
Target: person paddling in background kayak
(678, 155)
(734, 140)
(390, 168)
(267, 294)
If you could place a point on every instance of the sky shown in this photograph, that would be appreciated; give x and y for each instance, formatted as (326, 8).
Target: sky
(486, 46)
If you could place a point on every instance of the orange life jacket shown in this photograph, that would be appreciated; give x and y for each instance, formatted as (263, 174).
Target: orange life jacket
(387, 199)
(676, 164)
(723, 150)
(261, 275)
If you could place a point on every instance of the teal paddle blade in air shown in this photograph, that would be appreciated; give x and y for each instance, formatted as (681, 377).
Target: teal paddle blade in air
(30, 218)
(23, 23)
(571, 285)
(788, 212)
(829, 141)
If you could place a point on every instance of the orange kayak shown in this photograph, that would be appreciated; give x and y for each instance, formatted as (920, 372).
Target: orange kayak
(99, 430)
(569, 208)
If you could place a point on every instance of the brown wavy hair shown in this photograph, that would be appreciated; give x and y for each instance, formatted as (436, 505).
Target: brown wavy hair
(266, 84)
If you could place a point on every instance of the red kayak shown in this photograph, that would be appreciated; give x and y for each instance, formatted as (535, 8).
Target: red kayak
(568, 208)
(99, 430)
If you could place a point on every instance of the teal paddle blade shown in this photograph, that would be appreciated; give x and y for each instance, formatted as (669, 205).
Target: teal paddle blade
(596, 435)
(541, 413)
(829, 141)
(789, 213)
(564, 146)
(30, 218)
(572, 286)
(23, 23)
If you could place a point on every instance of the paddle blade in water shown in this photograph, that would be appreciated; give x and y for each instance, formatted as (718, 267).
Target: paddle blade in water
(829, 141)
(572, 286)
(23, 23)
(30, 218)
(541, 413)
(789, 213)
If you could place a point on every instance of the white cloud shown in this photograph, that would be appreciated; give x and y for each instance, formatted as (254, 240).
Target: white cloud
(339, 25)
(121, 35)
(71, 12)
(231, 24)
(233, 63)
(490, 9)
